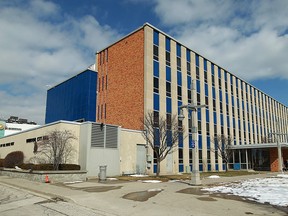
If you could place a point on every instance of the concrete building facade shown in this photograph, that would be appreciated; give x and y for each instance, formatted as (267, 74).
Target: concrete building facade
(149, 70)
(95, 145)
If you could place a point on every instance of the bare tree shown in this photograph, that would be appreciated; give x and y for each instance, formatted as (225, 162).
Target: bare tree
(223, 148)
(161, 134)
(57, 147)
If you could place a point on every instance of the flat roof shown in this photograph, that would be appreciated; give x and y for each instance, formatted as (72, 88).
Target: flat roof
(87, 69)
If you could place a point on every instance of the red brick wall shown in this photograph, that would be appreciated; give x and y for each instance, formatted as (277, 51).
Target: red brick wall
(124, 96)
(274, 159)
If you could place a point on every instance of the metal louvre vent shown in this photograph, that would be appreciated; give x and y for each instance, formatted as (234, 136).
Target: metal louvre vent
(111, 137)
(97, 136)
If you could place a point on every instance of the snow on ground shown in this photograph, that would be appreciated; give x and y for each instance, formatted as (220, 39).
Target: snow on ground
(151, 181)
(155, 190)
(213, 176)
(112, 179)
(282, 175)
(138, 175)
(265, 190)
(72, 182)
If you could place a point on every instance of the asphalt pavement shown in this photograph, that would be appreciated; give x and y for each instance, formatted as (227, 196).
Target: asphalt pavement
(139, 198)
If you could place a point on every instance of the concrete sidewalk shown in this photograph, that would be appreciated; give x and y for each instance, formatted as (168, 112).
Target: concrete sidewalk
(162, 198)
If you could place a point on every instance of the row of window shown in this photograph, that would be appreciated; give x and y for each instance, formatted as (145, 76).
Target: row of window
(7, 144)
(238, 90)
(38, 139)
(103, 57)
(242, 86)
(179, 87)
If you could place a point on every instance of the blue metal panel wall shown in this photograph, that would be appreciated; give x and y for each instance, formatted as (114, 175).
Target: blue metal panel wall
(73, 99)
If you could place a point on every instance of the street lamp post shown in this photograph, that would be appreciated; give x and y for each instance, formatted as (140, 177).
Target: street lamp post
(195, 175)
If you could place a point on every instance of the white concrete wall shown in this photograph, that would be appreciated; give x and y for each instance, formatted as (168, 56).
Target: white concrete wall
(20, 144)
(128, 150)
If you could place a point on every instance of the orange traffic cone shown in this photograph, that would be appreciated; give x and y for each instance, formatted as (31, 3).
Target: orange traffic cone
(47, 179)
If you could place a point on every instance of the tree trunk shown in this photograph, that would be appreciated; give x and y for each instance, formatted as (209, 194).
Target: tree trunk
(226, 164)
(158, 167)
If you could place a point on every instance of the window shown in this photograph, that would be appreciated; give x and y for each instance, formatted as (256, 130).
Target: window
(205, 64)
(179, 92)
(180, 154)
(156, 37)
(167, 44)
(200, 156)
(197, 73)
(168, 59)
(198, 98)
(205, 77)
(213, 80)
(105, 113)
(106, 51)
(156, 68)
(188, 68)
(178, 51)
(168, 105)
(156, 102)
(178, 63)
(168, 89)
(189, 96)
(188, 58)
(155, 53)
(169, 120)
(30, 140)
(156, 118)
(197, 60)
(156, 85)
(199, 127)
(168, 73)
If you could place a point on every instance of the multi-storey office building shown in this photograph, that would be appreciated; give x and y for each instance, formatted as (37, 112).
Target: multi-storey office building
(150, 71)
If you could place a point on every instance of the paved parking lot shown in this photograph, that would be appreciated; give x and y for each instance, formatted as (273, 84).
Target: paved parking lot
(118, 198)
(14, 201)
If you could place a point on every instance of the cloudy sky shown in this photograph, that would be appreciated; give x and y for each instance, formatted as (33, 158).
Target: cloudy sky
(43, 42)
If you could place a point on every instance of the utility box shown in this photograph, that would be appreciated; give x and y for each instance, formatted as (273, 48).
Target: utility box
(102, 173)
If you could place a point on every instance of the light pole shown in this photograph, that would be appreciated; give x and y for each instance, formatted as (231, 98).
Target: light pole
(195, 175)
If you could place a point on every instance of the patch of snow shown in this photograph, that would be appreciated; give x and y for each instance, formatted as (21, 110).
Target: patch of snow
(138, 175)
(151, 181)
(265, 190)
(112, 179)
(282, 175)
(214, 176)
(156, 189)
(73, 182)
(173, 180)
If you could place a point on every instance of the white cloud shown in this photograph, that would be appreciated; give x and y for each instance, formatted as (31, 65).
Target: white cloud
(42, 45)
(245, 37)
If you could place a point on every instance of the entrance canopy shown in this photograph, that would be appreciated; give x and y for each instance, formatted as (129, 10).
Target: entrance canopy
(259, 146)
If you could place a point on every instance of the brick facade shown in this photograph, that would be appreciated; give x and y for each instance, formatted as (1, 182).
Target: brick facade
(120, 98)
(274, 158)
